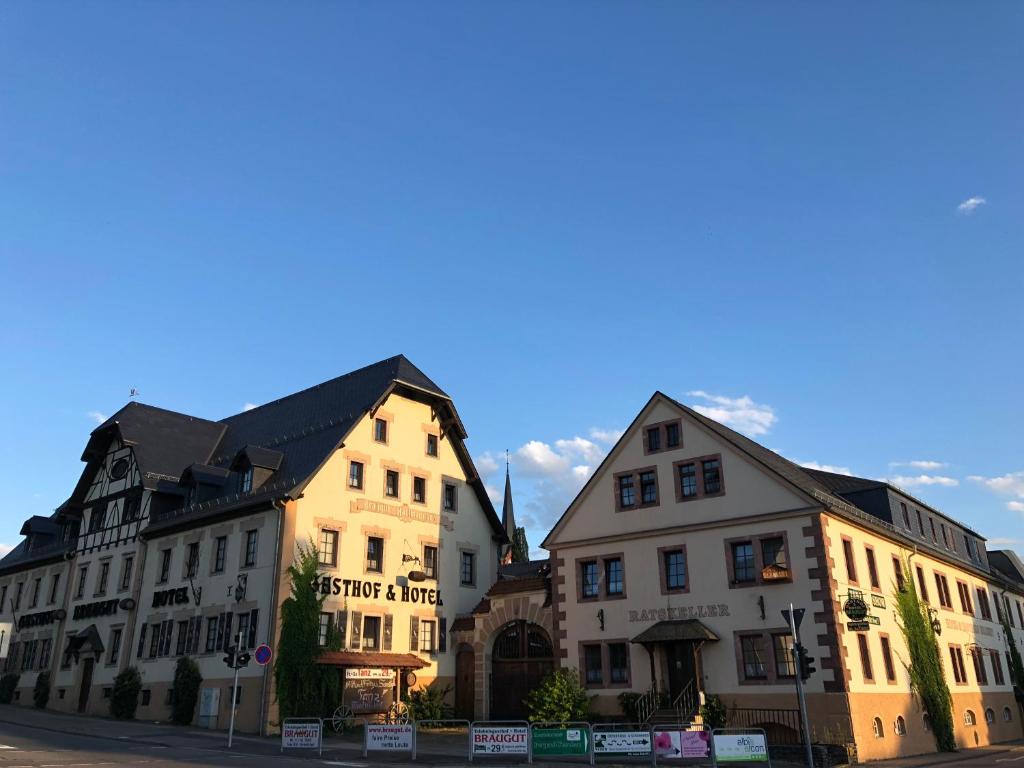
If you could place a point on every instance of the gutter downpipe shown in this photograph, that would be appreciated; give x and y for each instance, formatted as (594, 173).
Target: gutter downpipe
(267, 670)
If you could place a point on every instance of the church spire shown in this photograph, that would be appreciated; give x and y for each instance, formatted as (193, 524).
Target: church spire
(508, 518)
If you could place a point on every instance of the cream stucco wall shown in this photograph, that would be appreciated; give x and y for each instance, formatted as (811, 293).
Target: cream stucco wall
(328, 502)
(888, 699)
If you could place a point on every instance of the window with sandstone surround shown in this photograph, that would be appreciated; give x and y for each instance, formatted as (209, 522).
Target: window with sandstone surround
(890, 668)
(698, 477)
(593, 670)
(672, 565)
(752, 648)
(636, 489)
(872, 568)
(848, 559)
(601, 577)
(758, 560)
(865, 657)
(897, 569)
(662, 436)
(922, 584)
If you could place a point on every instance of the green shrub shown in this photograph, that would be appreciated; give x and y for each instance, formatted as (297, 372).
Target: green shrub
(8, 684)
(560, 698)
(713, 712)
(430, 703)
(627, 703)
(124, 699)
(925, 668)
(185, 692)
(41, 693)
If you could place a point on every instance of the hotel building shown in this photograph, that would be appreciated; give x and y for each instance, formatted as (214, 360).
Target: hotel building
(672, 566)
(178, 537)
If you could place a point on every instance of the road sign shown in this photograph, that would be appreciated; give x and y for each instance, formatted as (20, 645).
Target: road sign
(798, 617)
(263, 655)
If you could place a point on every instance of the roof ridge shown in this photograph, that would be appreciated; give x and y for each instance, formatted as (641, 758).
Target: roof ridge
(139, 404)
(321, 384)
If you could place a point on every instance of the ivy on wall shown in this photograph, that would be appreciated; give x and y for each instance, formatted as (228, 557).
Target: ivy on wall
(927, 679)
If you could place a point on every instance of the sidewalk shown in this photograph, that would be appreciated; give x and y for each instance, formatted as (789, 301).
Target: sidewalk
(435, 749)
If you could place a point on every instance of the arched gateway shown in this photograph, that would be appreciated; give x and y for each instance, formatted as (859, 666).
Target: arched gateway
(521, 657)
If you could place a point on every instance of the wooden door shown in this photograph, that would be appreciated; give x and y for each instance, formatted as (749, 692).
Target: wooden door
(681, 667)
(83, 693)
(465, 683)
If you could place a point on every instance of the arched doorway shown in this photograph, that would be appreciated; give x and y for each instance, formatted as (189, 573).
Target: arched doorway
(522, 656)
(465, 683)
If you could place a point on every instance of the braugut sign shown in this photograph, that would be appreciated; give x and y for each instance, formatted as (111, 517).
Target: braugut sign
(500, 740)
(373, 590)
(301, 735)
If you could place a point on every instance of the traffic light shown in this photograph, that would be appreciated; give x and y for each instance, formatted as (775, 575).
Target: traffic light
(230, 658)
(242, 660)
(806, 663)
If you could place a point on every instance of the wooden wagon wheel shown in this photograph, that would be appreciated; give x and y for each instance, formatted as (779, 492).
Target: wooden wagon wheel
(342, 718)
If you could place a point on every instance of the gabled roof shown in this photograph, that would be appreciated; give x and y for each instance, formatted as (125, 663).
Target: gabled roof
(295, 435)
(1007, 564)
(205, 474)
(790, 473)
(164, 442)
(844, 483)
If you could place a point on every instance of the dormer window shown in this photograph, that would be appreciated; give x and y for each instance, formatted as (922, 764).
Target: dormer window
(245, 481)
(119, 469)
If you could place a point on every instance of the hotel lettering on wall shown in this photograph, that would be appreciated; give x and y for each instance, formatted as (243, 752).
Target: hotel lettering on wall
(376, 590)
(164, 597)
(684, 612)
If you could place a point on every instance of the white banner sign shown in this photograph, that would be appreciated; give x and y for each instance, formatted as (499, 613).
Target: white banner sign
(389, 738)
(300, 735)
(622, 743)
(500, 740)
(740, 748)
(369, 673)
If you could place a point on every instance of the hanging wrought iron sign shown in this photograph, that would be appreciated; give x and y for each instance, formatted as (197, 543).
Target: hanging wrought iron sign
(855, 608)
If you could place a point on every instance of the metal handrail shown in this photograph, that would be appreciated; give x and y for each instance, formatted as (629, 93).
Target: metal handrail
(685, 703)
(646, 705)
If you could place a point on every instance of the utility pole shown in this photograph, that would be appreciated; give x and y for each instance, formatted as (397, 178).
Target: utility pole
(801, 663)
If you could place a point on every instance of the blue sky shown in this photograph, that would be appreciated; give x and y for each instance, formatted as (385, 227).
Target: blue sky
(811, 214)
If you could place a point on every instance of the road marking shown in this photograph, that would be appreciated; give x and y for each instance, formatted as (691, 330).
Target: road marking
(7, 746)
(1010, 759)
(346, 765)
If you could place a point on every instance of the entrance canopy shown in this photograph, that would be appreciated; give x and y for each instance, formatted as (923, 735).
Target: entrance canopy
(86, 640)
(679, 630)
(364, 659)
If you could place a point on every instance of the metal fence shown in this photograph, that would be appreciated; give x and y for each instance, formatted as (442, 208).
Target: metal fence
(781, 726)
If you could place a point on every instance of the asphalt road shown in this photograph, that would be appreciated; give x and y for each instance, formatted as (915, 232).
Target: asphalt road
(31, 746)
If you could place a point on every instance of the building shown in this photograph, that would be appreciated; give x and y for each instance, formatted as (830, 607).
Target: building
(178, 537)
(738, 533)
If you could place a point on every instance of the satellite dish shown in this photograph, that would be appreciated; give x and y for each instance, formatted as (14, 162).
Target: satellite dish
(417, 576)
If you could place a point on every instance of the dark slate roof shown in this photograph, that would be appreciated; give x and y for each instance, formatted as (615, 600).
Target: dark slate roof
(205, 474)
(299, 432)
(843, 484)
(260, 457)
(40, 526)
(522, 584)
(21, 557)
(519, 570)
(1007, 563)
(370, 659)
(677, 629)
(164, 442)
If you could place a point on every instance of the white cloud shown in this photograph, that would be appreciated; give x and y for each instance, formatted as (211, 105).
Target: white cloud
(486, 464)
(925, 464)
(968, 206)
(740, 413)
(249, 406)
(826, 467)
(608, 436)
(910, 481)
(4, 549)
(1010, 484)
(96, 416)
(1015, 506)
(1000, 541)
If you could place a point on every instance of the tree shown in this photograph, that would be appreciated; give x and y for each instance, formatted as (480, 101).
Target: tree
(302, 687)
(520, 548)
(8, 685)
(560, 698)
(124, 699)
(925, 665)
(1016, 665)
(41, 692)
(187, 680)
